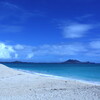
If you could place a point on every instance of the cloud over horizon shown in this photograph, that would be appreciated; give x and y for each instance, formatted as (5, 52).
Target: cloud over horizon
(95, 44)
(24, 52)
(6, 51)
(28, 52)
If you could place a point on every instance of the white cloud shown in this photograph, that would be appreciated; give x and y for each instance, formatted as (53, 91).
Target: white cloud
(19, 47)
(6, 51)
(29, 52)
(69, 49)
(30, 55)
(16, 56)
(93, 53)
(76, 30)
(15, 51)
(25, 52)
(95, 44)
(93, 48)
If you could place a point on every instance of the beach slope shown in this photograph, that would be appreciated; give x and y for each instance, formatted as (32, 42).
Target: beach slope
(17, 85)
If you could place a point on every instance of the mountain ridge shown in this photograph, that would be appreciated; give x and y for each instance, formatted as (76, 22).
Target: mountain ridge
(69, 61)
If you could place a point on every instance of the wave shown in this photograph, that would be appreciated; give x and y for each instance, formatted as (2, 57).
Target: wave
(59, 77)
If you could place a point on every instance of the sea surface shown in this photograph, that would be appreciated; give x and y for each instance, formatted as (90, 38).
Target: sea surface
(85, 72)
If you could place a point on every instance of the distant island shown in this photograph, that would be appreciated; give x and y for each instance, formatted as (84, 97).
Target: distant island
(70, 61)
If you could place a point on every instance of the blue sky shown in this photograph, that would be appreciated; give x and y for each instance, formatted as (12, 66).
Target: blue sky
(49, 30)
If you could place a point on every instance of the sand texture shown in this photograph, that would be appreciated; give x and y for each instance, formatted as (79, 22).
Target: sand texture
(17, 85)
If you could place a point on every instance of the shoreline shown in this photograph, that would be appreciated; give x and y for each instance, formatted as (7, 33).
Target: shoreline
(60, 77)
(18, 85)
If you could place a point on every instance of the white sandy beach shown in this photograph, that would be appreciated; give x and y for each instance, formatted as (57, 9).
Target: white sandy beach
(17, 85)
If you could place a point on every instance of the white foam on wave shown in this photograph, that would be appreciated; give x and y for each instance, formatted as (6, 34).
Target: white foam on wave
(59, 77)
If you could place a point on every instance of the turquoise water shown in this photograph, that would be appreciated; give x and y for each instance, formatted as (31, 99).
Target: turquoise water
(87, 72)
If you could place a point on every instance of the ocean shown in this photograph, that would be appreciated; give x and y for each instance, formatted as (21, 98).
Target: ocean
(84, 72)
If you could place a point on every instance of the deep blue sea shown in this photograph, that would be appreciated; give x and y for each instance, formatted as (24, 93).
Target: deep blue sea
(86, 72)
